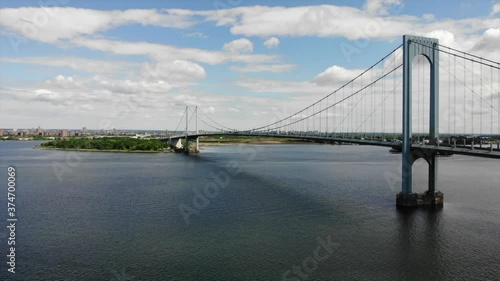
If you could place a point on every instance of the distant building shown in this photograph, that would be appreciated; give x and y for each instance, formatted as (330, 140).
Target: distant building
(1, 132)
(39, 131)
(63, 133)
(83, 131)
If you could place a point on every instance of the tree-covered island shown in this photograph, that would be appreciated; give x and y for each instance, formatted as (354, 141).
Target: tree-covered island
(121, 144)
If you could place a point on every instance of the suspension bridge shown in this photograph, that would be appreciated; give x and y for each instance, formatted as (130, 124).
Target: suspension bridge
(423, 99)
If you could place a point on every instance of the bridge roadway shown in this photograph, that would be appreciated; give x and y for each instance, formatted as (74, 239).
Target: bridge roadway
(485, 152)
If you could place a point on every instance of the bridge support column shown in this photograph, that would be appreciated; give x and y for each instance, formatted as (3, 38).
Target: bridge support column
(431, 197)
(432, 173)
(186, 147)
(414, 46)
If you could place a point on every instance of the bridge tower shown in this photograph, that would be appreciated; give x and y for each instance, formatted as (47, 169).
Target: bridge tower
(414, 46)
(197, 149)
(186, 146)
(186, 137)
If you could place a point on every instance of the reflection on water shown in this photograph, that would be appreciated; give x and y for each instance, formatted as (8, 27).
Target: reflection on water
(116, 216)
(419, 242)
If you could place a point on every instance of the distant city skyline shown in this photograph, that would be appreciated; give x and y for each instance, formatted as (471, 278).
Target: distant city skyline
(136, 64)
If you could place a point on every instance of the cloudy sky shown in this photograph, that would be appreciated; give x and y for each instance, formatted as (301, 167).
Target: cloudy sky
(135, 64)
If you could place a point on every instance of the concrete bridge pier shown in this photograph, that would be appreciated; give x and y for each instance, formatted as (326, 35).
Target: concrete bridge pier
(196, 149)
(431, 197)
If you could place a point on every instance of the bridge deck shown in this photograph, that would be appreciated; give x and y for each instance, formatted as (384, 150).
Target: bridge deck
(463, 150)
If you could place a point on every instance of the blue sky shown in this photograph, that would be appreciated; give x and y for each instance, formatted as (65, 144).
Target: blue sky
(82, 62)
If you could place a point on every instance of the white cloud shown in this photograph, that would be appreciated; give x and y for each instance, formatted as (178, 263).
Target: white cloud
(154, 78)
(177, 73)
(377, 19)
(380, 7)
(61, 81)
(324, 20)
(86, 107)
(183, 100)
(272, 42)
(275, 68)
(51, 25)
(445, 37)
(74, 63)
(495, 9)
(487, 45)
(135, 87)
(237, 46)
(336, 75)
(428, 17)
(281, 86)
(169, 52)
(380, 19)
(209, 110)
(49, 96)
(196, 34)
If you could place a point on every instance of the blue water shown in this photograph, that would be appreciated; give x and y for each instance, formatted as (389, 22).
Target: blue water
(116, 216)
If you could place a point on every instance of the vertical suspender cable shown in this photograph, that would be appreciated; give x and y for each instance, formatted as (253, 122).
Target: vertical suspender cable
(383, 109)
(320, 118)
(333, 115)
(394, 101)
(313, 121)
(455, 95)
(393, 112)
(372, 107)
(481, 98)
(472, 97)
(449, 94)
(423, 94)
(418, 98)
(327, 115)
(362, 112)
(342, 125)
(491, 101)
(351, 108)
(465, 82)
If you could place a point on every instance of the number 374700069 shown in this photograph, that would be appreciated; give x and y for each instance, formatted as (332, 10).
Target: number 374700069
(11, 194)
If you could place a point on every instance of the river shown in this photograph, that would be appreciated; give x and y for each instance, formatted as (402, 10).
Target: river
(252, 212)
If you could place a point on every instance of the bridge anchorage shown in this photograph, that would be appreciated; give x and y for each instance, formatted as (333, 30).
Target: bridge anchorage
(381, 107)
